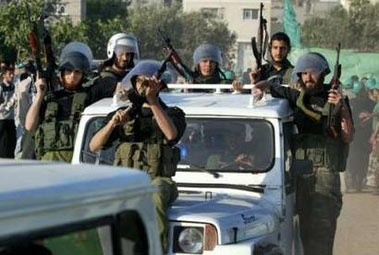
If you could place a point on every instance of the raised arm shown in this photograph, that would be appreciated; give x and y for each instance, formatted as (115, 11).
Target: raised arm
(163, 120)
(347, 127)
(102, 136)
(32, 117)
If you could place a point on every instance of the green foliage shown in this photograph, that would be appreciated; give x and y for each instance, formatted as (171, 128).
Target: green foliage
(356, 28)
(15, 25)
(186, 31)
(64, 31)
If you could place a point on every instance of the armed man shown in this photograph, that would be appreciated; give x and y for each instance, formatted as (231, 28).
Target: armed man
(207, 60)
(279, 69)
(319, 197)
(122, 52)
(147, 133)
(54, 114)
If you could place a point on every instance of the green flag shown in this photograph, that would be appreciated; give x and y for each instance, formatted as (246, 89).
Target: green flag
(291, 26)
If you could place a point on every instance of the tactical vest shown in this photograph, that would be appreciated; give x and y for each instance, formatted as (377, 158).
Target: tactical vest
(55, 135)
(323, 151)
(147, 149)
(279, 77)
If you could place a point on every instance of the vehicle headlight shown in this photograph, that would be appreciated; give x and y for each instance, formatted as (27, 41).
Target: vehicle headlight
(191, 240)
(194, 239)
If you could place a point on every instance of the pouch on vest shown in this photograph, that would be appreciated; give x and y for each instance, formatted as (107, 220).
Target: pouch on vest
(124, 154)
(323, 151)
(170, 160)
(54, 135)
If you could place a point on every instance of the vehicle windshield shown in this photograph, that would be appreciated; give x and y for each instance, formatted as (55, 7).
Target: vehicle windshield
(212, 144)
(227, 145)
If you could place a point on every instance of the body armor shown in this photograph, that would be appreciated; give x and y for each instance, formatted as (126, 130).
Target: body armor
(54, 134)
(146, 148)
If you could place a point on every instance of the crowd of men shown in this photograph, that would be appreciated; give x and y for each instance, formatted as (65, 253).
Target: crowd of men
(39, 120)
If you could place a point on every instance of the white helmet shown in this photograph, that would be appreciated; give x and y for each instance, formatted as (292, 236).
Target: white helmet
(76, 55)
(124, 40)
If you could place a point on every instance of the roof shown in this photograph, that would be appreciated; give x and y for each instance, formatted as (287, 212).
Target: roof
(38, 188)
(212, 104)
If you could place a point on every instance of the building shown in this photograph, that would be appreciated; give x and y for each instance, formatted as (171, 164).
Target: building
(242, 17)
(138, 3)
(74, 9)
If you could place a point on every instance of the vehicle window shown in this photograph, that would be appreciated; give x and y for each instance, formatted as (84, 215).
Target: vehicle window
(93, 237)
(83, 242)
(103, 157)
(227, 145)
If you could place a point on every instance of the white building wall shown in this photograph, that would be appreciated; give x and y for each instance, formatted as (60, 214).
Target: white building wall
(232, 11)
(75, 9)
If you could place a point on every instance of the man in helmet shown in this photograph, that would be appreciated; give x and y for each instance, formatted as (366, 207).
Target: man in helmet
(207, 59)
(122, 52)
(147, 135)
(319, 197)
(54, 115)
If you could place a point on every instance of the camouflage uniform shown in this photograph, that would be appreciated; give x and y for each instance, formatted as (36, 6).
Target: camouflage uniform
(142, 145)
(318, 195)
(59, 120)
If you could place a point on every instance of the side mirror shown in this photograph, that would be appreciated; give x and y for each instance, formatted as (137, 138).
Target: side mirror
(301, 166)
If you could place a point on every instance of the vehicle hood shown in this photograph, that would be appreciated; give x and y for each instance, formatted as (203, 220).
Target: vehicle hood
(236, 218)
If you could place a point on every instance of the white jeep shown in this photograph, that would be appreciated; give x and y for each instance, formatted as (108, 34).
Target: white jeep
(59, 208)
(236, 178)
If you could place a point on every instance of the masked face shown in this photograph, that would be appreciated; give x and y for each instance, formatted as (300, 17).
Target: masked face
(207, 67)
(71, 79)
(279, 51)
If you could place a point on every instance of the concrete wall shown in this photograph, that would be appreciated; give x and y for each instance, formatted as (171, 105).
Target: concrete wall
(75, 9)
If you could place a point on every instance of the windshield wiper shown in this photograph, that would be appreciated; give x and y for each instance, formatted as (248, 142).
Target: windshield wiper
(200, 168)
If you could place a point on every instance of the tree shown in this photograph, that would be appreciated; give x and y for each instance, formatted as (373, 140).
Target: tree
(186, 31)
(356, 28)
(15, 26)
(64, 31)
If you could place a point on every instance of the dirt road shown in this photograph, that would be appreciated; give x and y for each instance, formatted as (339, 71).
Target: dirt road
(358, 225)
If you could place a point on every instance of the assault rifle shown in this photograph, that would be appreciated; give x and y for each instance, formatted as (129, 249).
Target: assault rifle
(335, 82)
(37, 30)
(173, 58)
(259, 43)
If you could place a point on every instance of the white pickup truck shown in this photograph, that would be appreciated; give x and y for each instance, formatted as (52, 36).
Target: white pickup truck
(59, 209)
(236, 178)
